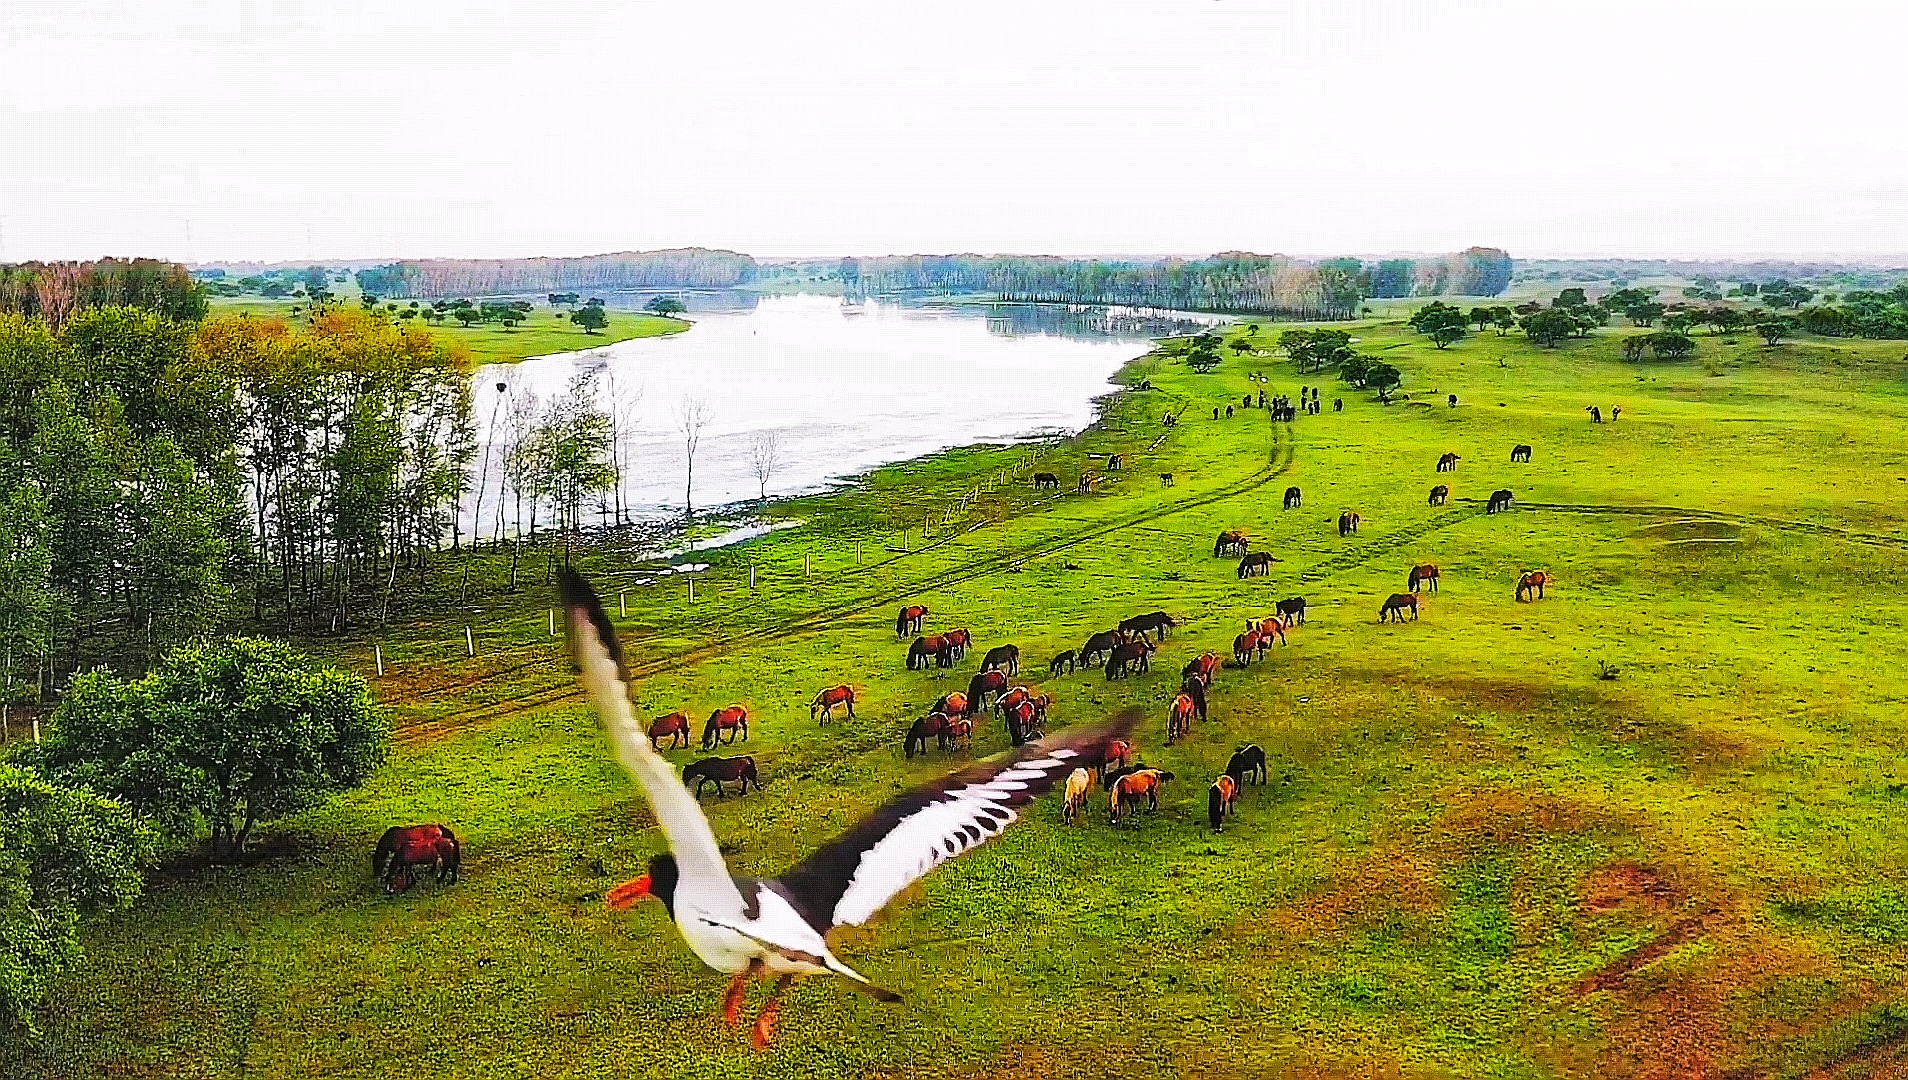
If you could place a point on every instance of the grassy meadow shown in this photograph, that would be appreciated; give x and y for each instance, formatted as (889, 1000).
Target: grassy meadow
(544, 332)
(1476, 856)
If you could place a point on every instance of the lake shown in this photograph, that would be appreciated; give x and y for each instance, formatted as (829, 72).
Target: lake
(845, 386)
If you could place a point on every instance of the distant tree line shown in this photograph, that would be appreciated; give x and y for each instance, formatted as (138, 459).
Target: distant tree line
(1229, 282)
(678, 268)
(57, 291)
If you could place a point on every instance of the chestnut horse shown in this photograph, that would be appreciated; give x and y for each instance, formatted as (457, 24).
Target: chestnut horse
(1119, 753)
(1397, 604)
(1179, 722)
(1220, 799)
(727, 721)
(825, 702)
(1201, 667)
(1231, 542)
(1532, 581)
(932, 726)
(952, 704)
(421, 846)
(958, 639)
(1426, 575)
(1268, 629)
(717, 770)
(987, 682)
(1134, 786)
(400, 835)
(910, 621)
(1244, 646)
(674, 727)
(925, 649)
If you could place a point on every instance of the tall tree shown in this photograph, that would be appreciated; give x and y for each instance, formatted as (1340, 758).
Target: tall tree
(692, 415)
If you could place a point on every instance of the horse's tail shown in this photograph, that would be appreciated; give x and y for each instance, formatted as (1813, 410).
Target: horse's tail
(1215, 807)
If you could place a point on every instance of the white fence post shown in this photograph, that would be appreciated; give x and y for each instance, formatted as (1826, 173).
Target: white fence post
(470, 644)
(552, 622)
(378, 652)
(751, 577)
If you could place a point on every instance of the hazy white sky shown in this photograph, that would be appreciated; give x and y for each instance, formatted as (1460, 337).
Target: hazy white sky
(339, 129)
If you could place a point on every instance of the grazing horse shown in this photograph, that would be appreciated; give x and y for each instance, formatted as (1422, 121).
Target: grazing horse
(1338, 404)
(1596, 414)
(1115, 462)
(718, 770)
(1532, 581)
(1500, 500)
(1448, 463)
(1087, 480)
(1179, 722)
(1064, 660)
(1165, 479)
(1201, 667)
(934, 726)
(1520, 452)
(1348, 522)
(959, 732)
(1079, 786)
(1396, 604)
(1043, 480)
(1294, 498)
(958, 639)
(1426, 575)
(1012, 698)
(1026, 720)
(1247, 762)
(1139, 784)
(910, 620)
(1244, 646)
(1269, 628)
(1119, 754)
(1292, 611)
(398, 836)
(1220, 799)
(730, 720)
(421, 846)
(825, 702)
(674, 727)
(1157, 621)
(1110, 777)
(1258, 563)
(987, 682)
(930, 649)
(1193, 688)
(1451, 400)
(1100, 644)
(954, 704)
(1440, 494)
(1002, 656)
(1231, 542)
(1127, 655)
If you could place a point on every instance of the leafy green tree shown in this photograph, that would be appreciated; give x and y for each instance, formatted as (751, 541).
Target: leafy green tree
(590, 317)
(1504, 319)
(64, 853)
(26, 582)
(1670, 345)
(230, 733)
(1383, 378)
(1643, 313)
(665, 306)
(1774, 330)
(1434, 315)
(571, 445)
(467, 315)
(1570, 298)
(177, 555)
(1548, 328)
(1443, 336)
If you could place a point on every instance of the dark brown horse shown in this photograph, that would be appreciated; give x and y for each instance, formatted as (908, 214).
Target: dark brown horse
(1044, 480)
(1426, 575)
(1348, 522)
(1063, 660)
(934, 726)
(910, 621)
(1259, 564)
(1440, 494)
(930, 650)
(1247, 762)
(987, 682)
(674, 727)
(1520, 452)
(1292, 611)
(1500, 501)
(1448, 463)
(1155, 621)
(1396, 605)
(1231, 542)
(727, 721)
(1194, 688)
(826, 701)
(1294, 498)
(1002, 656)
(1100, 644)
(1128, 655)
(1532, 581)
(720, 770)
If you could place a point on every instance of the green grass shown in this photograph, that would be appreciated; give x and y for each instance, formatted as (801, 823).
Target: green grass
(1475, 857)
(543, 333)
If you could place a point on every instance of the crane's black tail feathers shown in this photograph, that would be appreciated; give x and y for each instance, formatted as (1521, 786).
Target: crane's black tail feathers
(580, 603)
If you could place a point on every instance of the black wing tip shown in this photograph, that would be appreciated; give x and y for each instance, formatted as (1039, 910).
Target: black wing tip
(581, 600)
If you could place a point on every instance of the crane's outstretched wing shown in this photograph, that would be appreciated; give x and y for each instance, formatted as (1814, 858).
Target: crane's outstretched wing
(593, 644)
(854, 876)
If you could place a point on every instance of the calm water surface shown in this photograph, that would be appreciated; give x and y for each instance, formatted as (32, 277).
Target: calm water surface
(846, 387)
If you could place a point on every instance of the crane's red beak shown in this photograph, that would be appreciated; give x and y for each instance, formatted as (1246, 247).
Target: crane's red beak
(624, 896)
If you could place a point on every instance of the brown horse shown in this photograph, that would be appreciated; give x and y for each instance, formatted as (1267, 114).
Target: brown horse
(1100, 644)
(1127, 656)
(1179, 722)
(1220, 799)
(910, 621)
(1244, 646)
(1448, 463)
(934, 726)
(1440, 494)
(717, 770)
(728, 722)
(825, 702)
(399, 835)
(959, 732)
(987, 682)
(1118, 754)
(1268, 629)
(1426, 575)
(1532, 581)
(1348, 522)
(674, 727)
(1201, 667)
(418, 846)
(1026, 719)
(1044, 480)
(1128, 790)
(958, 640)
(1231, 542)
(930, 649)
(1002, 656)
(954, 704)
(1396, 605)
(1258, 563)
